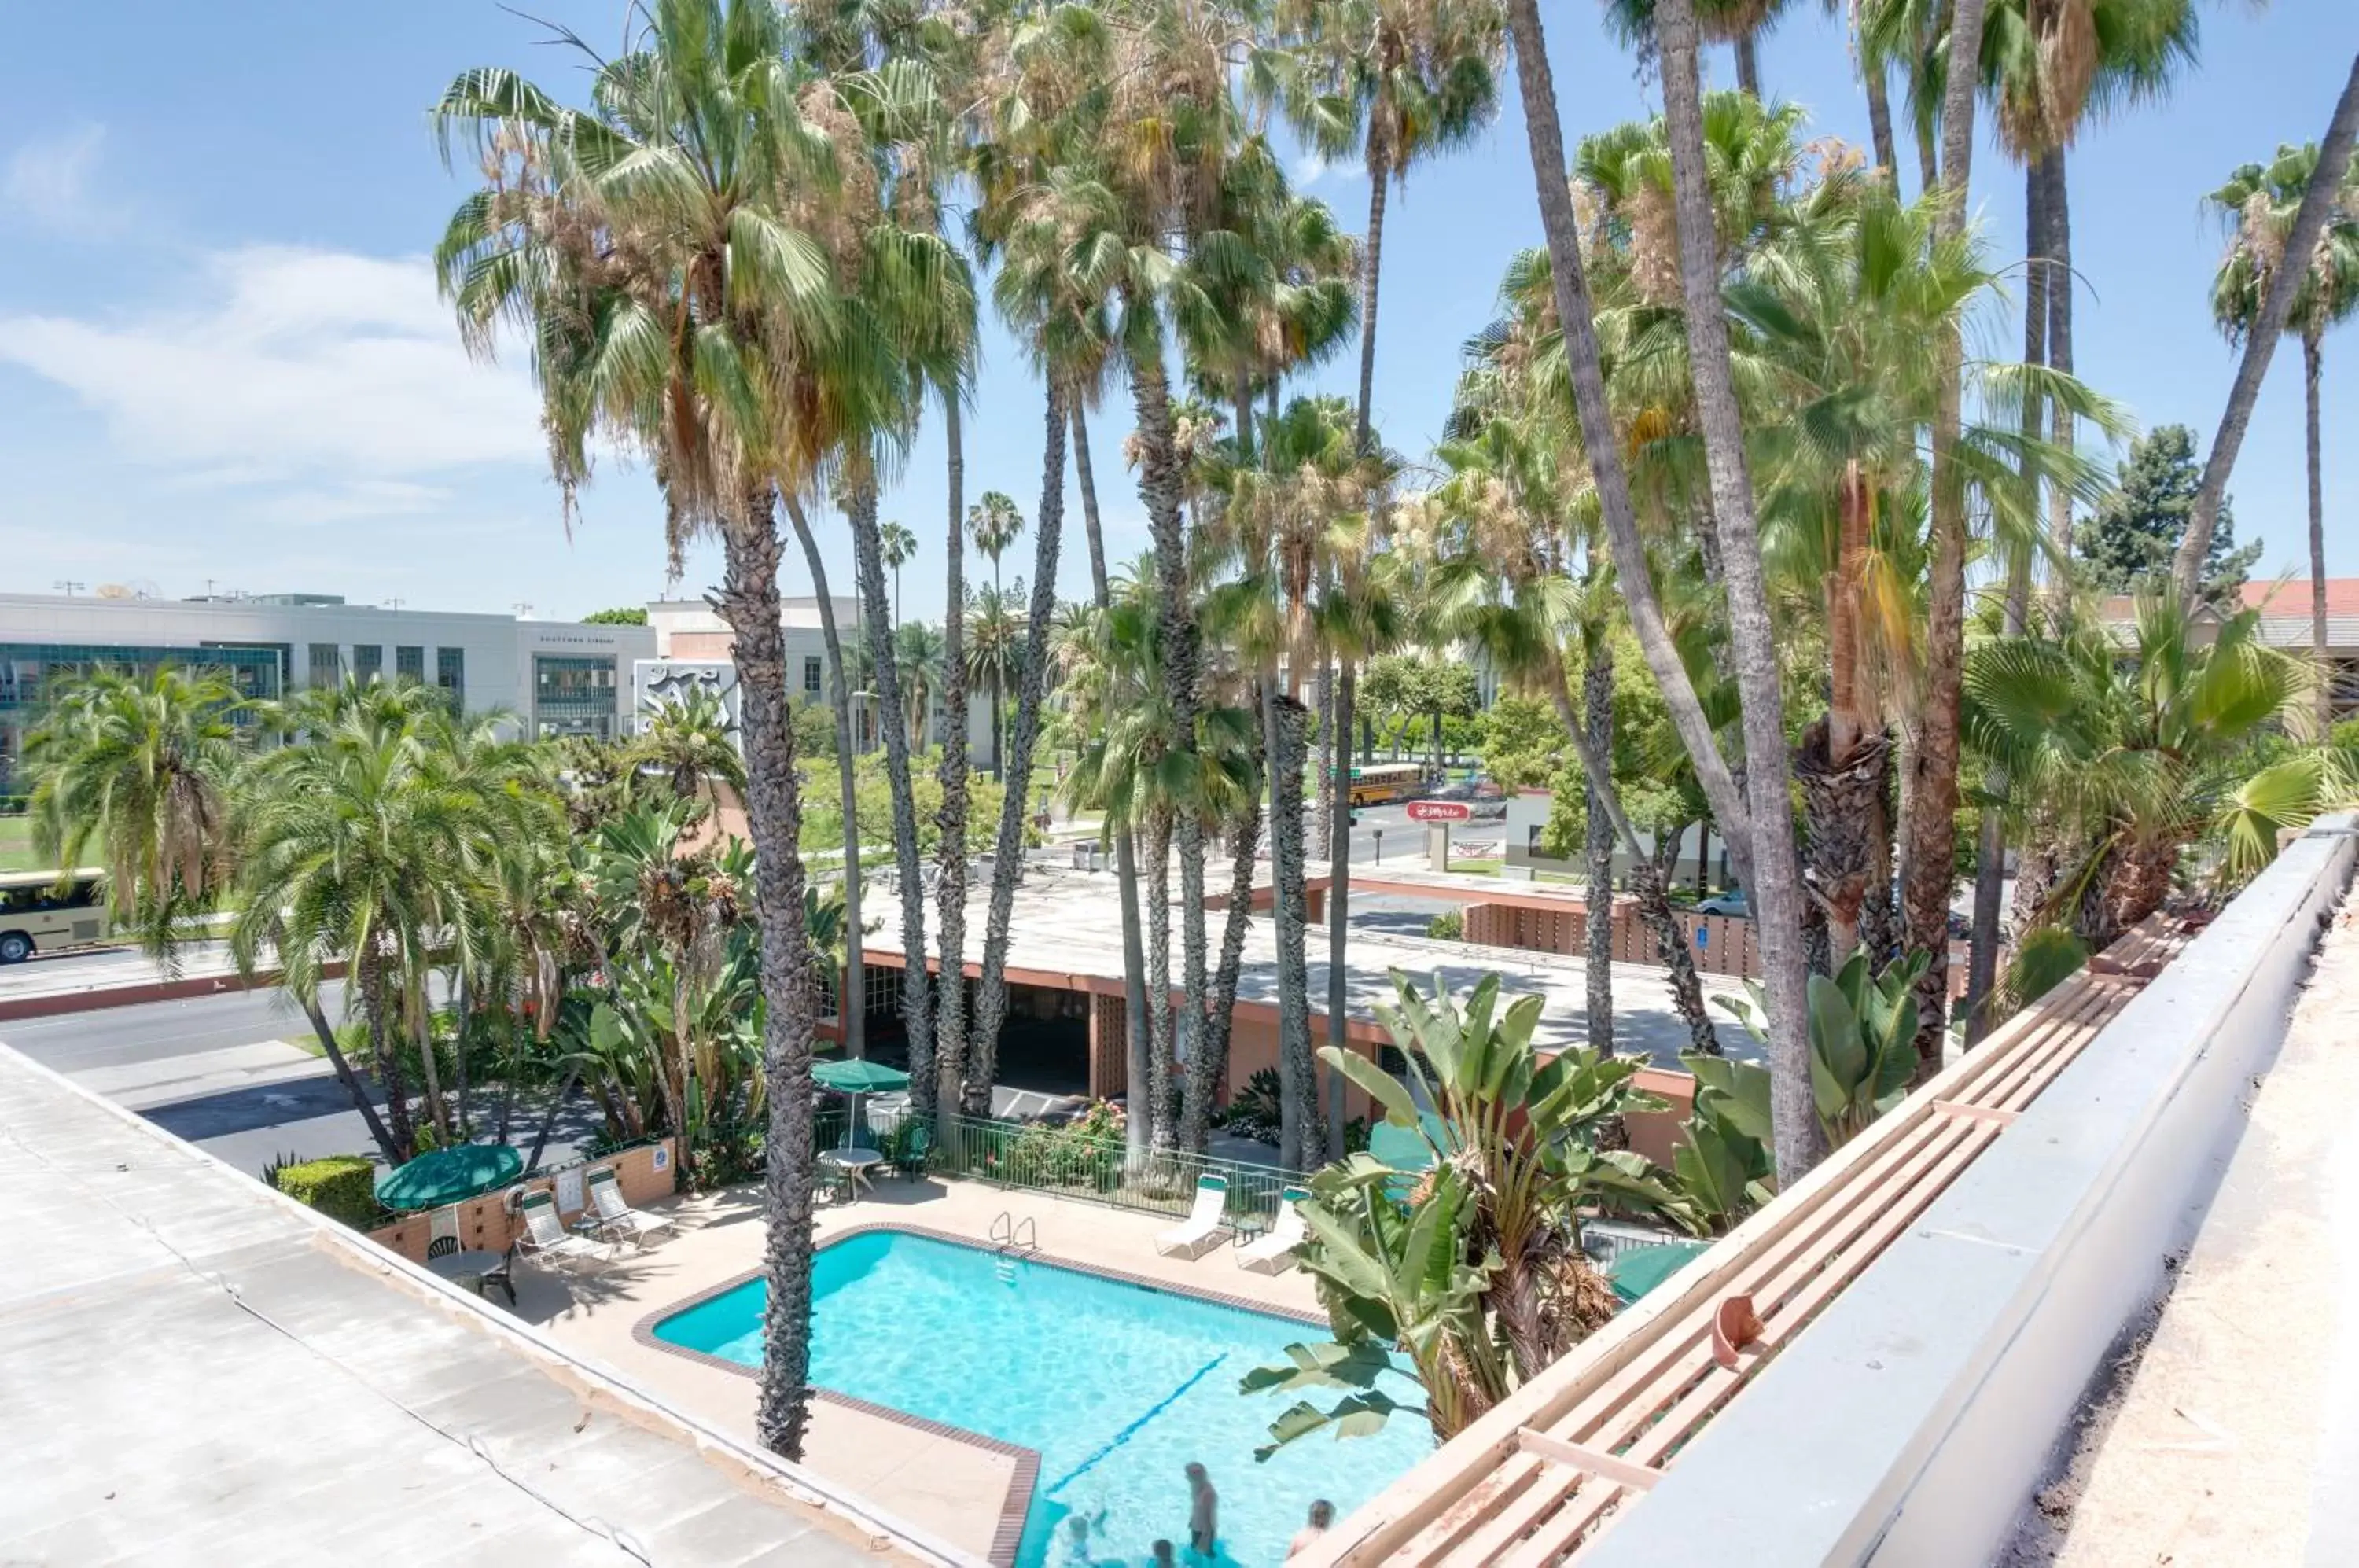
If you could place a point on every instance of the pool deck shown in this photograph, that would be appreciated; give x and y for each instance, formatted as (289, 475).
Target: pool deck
(969, 1492)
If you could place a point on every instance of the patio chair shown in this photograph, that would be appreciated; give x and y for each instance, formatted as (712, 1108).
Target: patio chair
(1205, 1226)
(546, 1237)
(913, 1144)
(1274, 1254)
(501, 1277)
(616, 1216)
(441, 1247)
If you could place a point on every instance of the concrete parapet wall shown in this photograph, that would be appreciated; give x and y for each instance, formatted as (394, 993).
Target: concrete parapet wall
(1911, 1421)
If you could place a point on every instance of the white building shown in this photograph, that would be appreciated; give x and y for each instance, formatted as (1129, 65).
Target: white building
(693, 642)
(557, 677)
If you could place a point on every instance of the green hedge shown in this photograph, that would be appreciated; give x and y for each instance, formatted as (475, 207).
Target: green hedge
(342, 1187)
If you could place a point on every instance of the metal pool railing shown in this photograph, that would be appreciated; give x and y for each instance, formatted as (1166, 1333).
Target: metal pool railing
(1069, 1163)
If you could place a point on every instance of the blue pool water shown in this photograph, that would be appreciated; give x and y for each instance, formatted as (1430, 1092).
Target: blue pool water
(1119, 1387)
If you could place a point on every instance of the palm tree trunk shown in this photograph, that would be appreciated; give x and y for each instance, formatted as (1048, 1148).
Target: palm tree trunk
(459, 1055)
(852, 1007)
(1879, 117)
(1300, 1139)
(1703, 856)
(1990, 850)
(1930, 826)
(1161, 486)
(2312, 355)
(422, 1029)
(991, 991)
(1339, 902)
(1597, 703)
(1648, 885)
(1322, 788)
(953, 1042)
(748, 601)
(548, 1119)
(384, 1059)
(351, 1081)
(1561, 227)
(2261, 338)
(1126, 854)
(2056, 217)
(1748, 64)
(1089, 501)
(917, 992)
(1147, 1094)
(1776, 887)
(1210, 1066)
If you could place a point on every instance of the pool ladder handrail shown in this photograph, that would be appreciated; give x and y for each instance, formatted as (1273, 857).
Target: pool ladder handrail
(1009, 1234)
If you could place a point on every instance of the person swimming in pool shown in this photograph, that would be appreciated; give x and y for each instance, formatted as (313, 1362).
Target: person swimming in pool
(1322, 1518)
(1204, 1512)
(1160, 1556)
(1072, 1549)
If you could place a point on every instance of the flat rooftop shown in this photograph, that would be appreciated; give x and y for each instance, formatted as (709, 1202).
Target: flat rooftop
(1066, 930)
(193, 1358)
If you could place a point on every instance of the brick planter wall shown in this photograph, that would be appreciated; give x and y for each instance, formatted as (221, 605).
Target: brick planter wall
(488, 1222)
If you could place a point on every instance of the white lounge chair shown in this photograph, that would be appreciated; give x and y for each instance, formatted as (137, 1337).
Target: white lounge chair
(1274, 1254)
(546, 1235)
(616, 1216)
(1204, 1228)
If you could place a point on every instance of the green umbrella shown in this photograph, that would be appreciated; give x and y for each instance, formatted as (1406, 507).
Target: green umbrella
(1639, 1269)
(446, 1175)
(857, 1075)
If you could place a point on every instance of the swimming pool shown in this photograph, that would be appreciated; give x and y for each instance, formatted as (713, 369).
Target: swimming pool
(1117, 1385)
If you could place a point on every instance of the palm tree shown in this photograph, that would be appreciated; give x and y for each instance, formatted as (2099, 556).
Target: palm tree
(2132, 751)
(852, 1012)
(678, 258)
(1776, 886)
(995, 524)
(692, 742)
(374, 843)
(2261, 201)
(2326, 184)
(918, 658)
(898, 546)
(994, 648)
(142, 768)
(1740, 23)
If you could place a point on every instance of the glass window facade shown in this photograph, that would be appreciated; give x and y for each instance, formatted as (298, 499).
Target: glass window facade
(574, 695)
(327, 664)
(451, 673)
(409, 664)
(27, 668)
(810, 676)
(368, 661)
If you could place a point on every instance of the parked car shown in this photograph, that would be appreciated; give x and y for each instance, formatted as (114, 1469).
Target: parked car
(1732, 902)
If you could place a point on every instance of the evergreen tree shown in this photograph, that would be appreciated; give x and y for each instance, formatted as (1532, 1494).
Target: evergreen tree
(2129, 542)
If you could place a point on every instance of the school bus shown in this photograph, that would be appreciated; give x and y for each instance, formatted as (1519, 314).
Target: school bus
(41, 913)
(1385, 781)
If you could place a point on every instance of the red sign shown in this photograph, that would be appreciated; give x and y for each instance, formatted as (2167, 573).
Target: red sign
(1439, 811)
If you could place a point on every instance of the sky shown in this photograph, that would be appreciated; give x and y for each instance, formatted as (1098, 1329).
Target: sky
(222, 363)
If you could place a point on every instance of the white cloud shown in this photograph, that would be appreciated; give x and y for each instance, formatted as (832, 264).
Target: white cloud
(48, 179)
(337, 375)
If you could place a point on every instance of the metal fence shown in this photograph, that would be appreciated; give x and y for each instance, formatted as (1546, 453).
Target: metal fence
(1069, 1163)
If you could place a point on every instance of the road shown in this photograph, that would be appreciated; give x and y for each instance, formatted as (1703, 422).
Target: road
(216, 1071)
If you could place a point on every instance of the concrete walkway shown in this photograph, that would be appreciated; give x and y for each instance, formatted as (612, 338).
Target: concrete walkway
(2229, 1432)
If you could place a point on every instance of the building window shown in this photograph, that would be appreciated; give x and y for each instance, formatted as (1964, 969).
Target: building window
(451, 673)
(368, 661)
(327, 664)
(574, 695)
(810, 676)
(409, 664)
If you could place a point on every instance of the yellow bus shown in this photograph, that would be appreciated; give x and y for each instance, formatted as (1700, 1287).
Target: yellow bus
(1386, 782)
(39, 912)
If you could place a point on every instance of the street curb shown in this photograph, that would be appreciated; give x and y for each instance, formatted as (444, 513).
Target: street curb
(93, 998)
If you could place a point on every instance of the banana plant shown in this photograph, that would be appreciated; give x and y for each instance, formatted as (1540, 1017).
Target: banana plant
(1862, 1025)
(1722, 1170)
(1477, 1281)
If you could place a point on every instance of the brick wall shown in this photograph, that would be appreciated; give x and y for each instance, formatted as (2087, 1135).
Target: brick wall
(1109, 1050)
(488, 1224)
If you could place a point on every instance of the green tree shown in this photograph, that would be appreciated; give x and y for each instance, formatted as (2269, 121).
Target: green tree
(2127, 544)
(2262, 203)
(624, 615)
(692, 742)
(141, 768)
